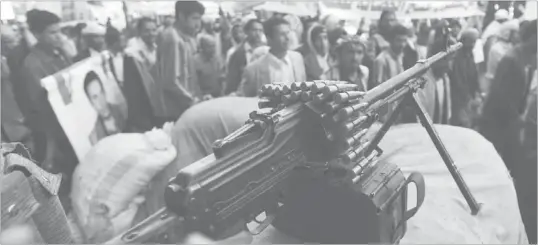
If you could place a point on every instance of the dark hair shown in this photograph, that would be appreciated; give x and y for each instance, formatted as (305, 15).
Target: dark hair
(90, 77)
(397, 30)
(112, 35)
(271, 23)
(335, 34)
(186, 8)
(250, 23)
(316, 31)
(384, 15)
(142, 21)
(527, 30)
(39, 20)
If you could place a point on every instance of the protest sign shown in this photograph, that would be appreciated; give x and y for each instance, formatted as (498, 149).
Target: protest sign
(88, 102)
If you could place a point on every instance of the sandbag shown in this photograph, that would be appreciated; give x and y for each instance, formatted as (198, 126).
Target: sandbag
(109, 182)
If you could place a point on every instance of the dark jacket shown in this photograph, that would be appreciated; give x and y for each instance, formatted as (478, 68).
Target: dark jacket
(84, 54)
(236, 65)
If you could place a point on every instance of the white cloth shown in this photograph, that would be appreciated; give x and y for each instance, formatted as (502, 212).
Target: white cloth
(93, 28)
(284, 67)
(139, 50)
(254, 53)
(478, 51)
(444, 217)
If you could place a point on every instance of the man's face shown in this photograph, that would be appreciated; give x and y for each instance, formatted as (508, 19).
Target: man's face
(192, 22)
(399, 43)
(52, 36)
(9, 39)
(208, 48)
(148, 32)
(96, 42)
(168, 21)
(389, 21)
(321, 43)
(280, 39)
(352, 55)
(255, 33)
(455, 30)
(468, 43)
(121, 44)
(238, 34)
(97, 98)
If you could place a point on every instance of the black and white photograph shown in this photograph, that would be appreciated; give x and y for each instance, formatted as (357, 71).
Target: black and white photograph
(269, 122)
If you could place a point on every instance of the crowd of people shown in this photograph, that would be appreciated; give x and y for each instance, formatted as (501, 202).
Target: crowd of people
(191, 59)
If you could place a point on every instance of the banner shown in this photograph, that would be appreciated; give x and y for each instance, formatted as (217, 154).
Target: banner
(88, 102)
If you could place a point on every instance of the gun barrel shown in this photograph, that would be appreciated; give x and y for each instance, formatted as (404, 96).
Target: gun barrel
(399, 80)
(345, 96)
(332, 89)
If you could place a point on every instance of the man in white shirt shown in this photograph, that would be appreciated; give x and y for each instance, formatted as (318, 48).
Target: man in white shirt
(279, 65)
(143, 48)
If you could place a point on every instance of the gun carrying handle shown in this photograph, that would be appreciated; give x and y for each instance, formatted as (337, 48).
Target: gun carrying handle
(418, 180)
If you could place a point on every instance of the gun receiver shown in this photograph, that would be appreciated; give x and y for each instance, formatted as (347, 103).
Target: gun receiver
(320, 125)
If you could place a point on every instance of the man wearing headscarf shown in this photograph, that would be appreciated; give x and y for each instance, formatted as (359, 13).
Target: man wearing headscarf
(508, 37)
(492, 29)
(316, 57)
(350, 53)
(387, 20)
(94, 38)
(465, 87)
(489, 36)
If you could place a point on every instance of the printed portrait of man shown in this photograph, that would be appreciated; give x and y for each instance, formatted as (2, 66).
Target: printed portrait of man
(110, 120)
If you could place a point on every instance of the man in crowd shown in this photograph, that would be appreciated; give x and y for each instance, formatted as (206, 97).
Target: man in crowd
(490, 33)
(94, 38)
(279, 65)
(348, 66)
(243, 55)
(508, 37)
(209, 68)
(53, 149)
(175, 60)
(143, 48)
(389, 62)
(115, 42)
(465, 86)
(386, 22)
(502, 119)
(13, 124)
(238, 36)
(316, 55)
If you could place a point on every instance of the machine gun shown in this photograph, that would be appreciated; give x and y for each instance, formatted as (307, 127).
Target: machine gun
(309, 127)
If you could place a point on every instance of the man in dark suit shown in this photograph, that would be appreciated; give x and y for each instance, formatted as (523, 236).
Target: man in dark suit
(243, 55)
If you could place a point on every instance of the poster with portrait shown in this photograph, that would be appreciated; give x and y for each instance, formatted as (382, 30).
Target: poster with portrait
(88, 102)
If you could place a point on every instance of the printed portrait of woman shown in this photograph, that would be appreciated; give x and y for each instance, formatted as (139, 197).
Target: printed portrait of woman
(110, 119)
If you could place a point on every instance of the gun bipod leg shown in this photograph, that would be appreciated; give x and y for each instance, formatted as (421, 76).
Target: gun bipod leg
(426, 122)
